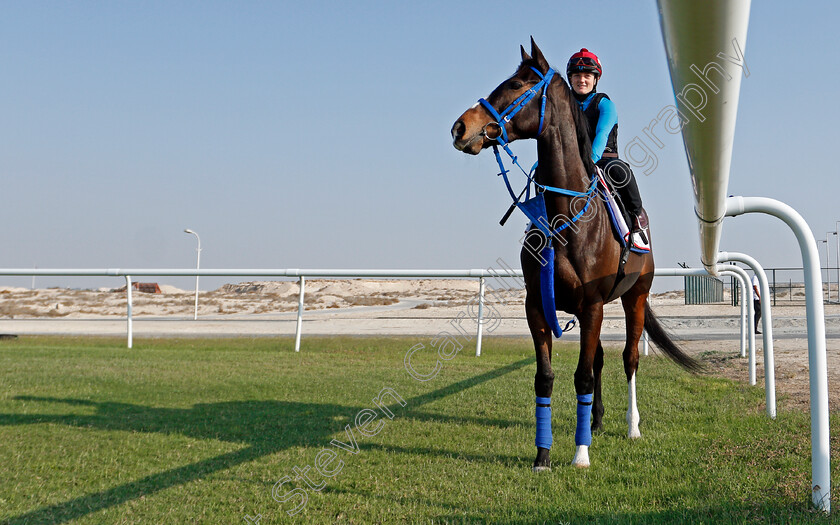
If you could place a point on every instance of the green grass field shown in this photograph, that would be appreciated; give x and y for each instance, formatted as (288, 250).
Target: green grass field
(202, 431)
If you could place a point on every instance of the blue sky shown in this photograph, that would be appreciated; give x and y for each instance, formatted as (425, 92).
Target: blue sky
(316, 134)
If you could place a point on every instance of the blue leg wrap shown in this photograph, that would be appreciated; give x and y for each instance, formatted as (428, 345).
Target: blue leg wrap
(543, 422)
(583, 432)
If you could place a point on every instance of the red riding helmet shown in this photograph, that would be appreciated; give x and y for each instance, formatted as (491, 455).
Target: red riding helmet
(584, 62)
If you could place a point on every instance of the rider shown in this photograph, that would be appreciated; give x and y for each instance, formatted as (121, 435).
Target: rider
(583, 71)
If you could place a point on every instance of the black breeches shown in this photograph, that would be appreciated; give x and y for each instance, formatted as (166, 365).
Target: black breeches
(623, 182)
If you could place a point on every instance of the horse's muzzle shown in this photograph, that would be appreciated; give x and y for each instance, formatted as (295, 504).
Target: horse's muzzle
(457, 132)
(471, 144)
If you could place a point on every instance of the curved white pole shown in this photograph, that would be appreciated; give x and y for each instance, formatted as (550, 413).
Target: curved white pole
(815, 314)
(766, 326)
(743, 309)
(750, 313)
(745, 278)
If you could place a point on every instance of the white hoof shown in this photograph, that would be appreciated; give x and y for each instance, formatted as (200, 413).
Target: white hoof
(633, 425)
(581, 459)
(542, 468)
(632, 410)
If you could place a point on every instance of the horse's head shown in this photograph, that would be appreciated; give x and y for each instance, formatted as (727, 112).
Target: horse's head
(479, 126)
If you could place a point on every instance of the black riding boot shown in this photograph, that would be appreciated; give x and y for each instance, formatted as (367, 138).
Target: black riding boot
(620, 175)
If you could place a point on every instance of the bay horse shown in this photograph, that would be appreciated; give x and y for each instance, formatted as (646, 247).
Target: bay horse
(586, 272)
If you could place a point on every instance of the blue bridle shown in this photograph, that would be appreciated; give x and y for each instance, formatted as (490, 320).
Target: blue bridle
(516, 106)
(505, 116)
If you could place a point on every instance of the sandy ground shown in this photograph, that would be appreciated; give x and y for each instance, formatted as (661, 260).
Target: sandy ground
(420, 308)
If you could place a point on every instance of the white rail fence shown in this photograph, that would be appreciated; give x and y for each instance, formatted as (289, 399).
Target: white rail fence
(302, 275)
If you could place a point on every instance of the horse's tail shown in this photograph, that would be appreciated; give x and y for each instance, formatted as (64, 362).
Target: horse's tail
(660, 336)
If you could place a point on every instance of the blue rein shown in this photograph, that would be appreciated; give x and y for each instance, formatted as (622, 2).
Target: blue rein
(534, 208)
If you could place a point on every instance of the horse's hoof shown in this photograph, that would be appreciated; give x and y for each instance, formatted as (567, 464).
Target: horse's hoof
(634, 434)
(581, 459)
(543, 460)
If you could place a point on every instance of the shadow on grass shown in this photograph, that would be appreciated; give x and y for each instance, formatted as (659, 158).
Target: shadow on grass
(265, 427)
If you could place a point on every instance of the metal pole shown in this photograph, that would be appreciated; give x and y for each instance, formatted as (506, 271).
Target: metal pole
(645, 343)
(743, 316)
(129, 328)
(827, 271)
(837, 261)
(197, 266)
(820, 241)
(815, 314)
(828, 264)
(300, 314)
(766, 325)
(480, 316)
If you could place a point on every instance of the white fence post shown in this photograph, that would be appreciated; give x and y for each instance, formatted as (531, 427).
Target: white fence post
(299, 314)
(128, 309)
(480, 316)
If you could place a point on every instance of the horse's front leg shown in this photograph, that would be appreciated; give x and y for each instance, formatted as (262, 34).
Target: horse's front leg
(543, 380)
(590, 334)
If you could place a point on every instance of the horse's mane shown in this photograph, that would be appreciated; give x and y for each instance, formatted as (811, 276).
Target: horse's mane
(580, 121)
(581, 129)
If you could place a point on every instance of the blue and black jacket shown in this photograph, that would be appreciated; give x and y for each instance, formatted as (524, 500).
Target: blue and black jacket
(603, 124)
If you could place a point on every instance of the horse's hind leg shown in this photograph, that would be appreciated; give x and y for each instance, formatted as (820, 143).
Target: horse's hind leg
(634, 314)
(597, 402)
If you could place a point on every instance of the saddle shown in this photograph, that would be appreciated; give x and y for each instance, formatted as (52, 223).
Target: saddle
(640, 242)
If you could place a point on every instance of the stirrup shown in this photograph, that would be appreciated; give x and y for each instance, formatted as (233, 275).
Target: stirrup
(637, 228)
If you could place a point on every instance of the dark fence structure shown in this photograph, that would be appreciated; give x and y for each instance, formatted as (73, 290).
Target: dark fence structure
(702, 289)
(787, 286)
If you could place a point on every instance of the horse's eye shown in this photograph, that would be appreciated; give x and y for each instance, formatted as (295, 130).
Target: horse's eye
(515, 84)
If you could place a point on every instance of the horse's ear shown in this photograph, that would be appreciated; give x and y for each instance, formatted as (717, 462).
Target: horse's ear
(525, 56)
(542, 63)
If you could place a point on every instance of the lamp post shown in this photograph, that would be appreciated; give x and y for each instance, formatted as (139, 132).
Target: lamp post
(837, 234)
(827, 268)
(825, 241)
(837, 263)
(197, 264)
